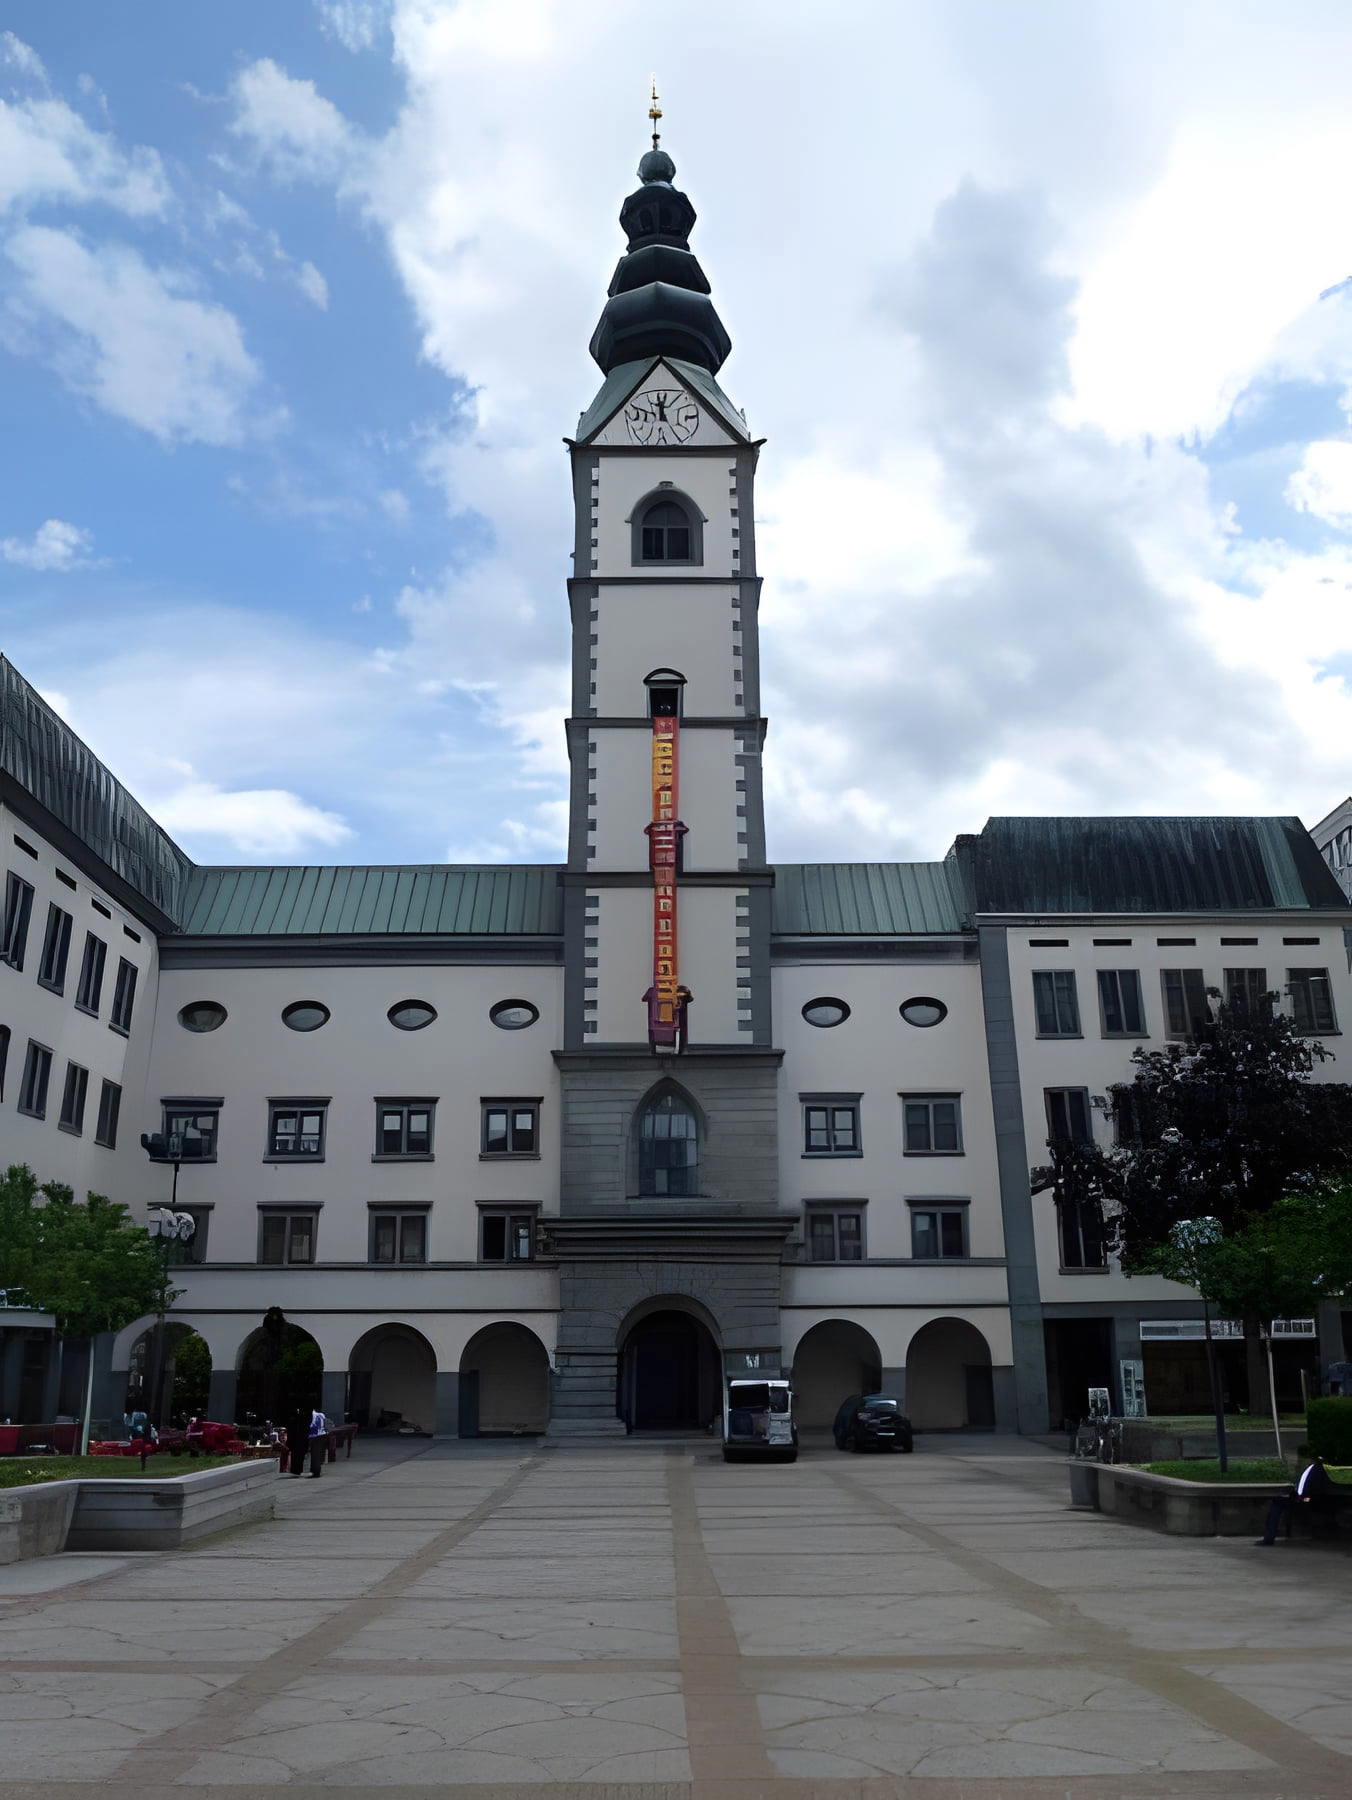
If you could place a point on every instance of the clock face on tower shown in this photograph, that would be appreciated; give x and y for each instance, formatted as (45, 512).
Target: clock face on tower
(661, 416)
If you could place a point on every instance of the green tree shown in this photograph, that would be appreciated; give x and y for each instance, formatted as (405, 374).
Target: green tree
(85, 1262)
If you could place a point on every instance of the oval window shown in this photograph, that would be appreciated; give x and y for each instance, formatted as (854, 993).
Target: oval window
(411, 1015)
(923, 1010)
(826, 1012)
(513, 1015)
(305, 1015)
(202, 1015)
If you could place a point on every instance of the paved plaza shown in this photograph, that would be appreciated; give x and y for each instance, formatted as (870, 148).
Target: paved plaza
(648, 1620)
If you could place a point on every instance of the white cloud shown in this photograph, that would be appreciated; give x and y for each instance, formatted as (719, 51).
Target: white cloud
(21, 59)
(55, 547)
(130, 338)
(48, 152)
(394, 504)
(1322, 485)
(313, 285)
(356, 24)
(255, 822)
(288, 123)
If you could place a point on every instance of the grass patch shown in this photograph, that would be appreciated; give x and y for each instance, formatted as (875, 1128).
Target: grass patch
(25, 1471)
(1244, 1468)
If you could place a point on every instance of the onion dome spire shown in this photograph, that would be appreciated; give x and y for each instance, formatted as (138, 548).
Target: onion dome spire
(659, 301)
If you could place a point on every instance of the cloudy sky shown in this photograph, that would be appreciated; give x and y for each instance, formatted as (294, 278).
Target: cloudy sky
(1041, 308)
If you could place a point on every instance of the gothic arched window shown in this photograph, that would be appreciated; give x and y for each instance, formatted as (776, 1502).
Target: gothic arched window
(668, 1147)
(667, 530)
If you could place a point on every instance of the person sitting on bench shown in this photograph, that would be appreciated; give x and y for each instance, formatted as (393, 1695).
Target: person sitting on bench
(1314, 1484)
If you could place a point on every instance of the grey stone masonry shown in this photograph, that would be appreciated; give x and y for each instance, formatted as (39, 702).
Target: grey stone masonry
(727, 1268)
(733, 1093)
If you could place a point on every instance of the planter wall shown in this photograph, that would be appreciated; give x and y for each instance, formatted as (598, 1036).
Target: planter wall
(1184, 1508)
(144, 1514)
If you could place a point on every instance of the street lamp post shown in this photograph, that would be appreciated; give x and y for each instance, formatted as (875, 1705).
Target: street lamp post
(170, 1227)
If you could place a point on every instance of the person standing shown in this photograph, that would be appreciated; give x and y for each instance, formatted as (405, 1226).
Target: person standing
(298, 1440)
(319, 1442)
(1313, 1485)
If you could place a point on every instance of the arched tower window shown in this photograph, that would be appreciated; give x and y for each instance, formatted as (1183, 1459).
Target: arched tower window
(668, 1147)
(667, 529)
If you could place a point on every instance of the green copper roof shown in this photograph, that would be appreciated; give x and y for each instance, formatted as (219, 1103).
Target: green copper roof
(431, 898)
(1150, 865)
(864, 899)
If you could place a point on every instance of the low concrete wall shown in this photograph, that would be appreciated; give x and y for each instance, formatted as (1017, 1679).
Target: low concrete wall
(34, 1520)
(161, 1515)
(1183, 1508)
(145, 1514)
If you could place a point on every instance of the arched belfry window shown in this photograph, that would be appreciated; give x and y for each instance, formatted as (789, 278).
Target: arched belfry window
(665, 687)
(668, 528)
(668, 1147)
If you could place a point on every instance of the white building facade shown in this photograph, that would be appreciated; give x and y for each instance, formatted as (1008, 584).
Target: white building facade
(565, 1146)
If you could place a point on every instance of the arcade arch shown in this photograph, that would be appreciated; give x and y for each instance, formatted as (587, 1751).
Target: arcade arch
(504, 1382)
(834, 1359)
(669, 1368)
(949, 1383)
(392, 1379)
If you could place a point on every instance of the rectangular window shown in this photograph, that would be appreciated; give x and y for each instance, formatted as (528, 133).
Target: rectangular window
(196, 1128)
(124, 995)
(506, 1236)
(4, 1057)
(1080, 1230)
(1120, 1003)
(510, 1128)
(1126, 1124)
(37, 1072)
(1311, 1000)
(836, 1233)
(55, 949)
(1056, 1003)
(932, 1124)
(1068, 1119)
(399, 1237)
(938, 1232)
(1245, 988)
(286, 1237)
(110, 1105)
(296, 1129)
(90, 990)
(18, 911)
(1186, 1011)
(404, 1127)
(73, 1098)
(831, 1127)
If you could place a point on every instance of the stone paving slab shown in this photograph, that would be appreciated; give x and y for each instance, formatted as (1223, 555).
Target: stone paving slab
(515, 1622)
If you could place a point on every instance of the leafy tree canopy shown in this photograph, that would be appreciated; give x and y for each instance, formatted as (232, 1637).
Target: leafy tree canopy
(1279, 1264)
(85, 1262)
(1227, 1125)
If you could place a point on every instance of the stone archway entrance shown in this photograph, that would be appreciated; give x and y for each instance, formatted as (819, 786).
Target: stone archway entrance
(392, 1380)
(669, 1376)
(504, 1383)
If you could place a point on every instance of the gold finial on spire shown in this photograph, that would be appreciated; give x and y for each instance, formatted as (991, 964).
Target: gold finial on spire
(655, 113)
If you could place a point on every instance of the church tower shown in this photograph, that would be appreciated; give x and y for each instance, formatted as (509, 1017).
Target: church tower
(668, 1070)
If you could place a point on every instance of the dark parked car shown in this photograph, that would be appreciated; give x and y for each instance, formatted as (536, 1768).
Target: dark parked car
(872, 1422)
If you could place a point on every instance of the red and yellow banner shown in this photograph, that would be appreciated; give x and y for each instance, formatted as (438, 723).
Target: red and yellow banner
(666, 997)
